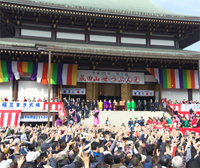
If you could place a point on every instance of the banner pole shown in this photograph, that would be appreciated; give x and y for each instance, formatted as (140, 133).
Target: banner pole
(49, 87)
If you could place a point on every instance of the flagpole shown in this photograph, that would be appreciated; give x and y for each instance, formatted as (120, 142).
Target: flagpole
(49, 87)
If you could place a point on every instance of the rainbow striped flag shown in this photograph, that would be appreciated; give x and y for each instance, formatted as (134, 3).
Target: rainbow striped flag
(64, 74)
(176, 78)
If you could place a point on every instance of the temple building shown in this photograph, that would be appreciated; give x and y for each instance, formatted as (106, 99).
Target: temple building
(108, 49)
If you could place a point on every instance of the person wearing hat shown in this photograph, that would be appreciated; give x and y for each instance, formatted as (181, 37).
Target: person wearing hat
(136, 121)
(141, 121)
(130, 122)
(5, 163)
(24, 148)
(32, 157)
(45, 147)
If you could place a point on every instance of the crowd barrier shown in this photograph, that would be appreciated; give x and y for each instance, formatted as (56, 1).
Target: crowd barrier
(183, 109)
(10, 117)
(186, 107)
(183, 130)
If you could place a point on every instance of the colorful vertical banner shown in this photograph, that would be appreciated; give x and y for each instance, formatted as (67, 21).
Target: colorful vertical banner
(65, 74)
(176, 78)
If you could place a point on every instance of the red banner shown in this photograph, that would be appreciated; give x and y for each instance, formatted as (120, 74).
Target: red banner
(56, 106)
(10, 117)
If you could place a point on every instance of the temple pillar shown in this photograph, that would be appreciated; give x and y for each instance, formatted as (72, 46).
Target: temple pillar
(95, 91)
(15, 89)
(189, 94)
(60, 91)
(89, 91)
(125, 92)
(55, 91)
(158, 92)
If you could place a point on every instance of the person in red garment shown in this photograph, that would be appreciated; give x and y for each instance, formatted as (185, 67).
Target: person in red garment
(162, 122)
(154, 121)
(149, 121)
(174, 122)
(194, 121)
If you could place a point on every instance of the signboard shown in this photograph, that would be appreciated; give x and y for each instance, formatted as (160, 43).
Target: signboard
(74, 91)
(21, 105)
(143, 92)
(110, 77)
(35, 118)
(187, 107)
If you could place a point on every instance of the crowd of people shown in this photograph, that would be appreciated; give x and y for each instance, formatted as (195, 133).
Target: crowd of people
(72, 144)
(76, 146)
(79, 110)
(99, 104)
(183, 102)
(112, 105)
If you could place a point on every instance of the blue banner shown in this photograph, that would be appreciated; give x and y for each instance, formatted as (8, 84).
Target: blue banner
(35, 118)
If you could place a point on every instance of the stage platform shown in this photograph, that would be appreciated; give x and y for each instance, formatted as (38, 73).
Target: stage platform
(119, 117)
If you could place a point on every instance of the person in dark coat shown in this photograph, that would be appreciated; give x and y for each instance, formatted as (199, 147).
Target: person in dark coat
(83, 102)
(90, 105)
(145, 105)
(163, 106)
(82, 112)
(156, 104)
(130, 122)
(139, 105)
(136, 121)
(94, 104)
(86, 112)
(152, 106)
(141, 121)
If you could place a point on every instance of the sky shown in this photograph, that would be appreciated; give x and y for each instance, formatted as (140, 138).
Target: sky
(190, 7)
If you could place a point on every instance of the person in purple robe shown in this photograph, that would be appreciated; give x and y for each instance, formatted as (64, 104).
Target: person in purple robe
(110, 105)
(124, 104)
(73, 114)
(105, 105)
(95, 113)
(58, 122)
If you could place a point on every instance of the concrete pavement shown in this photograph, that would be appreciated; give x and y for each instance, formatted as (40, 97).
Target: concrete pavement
(119, 117)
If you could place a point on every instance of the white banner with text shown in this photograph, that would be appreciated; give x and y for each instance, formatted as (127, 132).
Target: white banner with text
(74, 91)
(21, 105)
(110, 77)
(143, 92)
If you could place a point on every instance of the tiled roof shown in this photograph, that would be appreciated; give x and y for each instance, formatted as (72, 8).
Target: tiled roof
(144, 8)
(81, 48)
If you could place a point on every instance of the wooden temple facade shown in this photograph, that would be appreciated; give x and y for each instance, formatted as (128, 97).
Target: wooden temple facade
(133, 36)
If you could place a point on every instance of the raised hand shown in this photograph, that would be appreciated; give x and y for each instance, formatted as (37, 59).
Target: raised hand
(20, 161)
